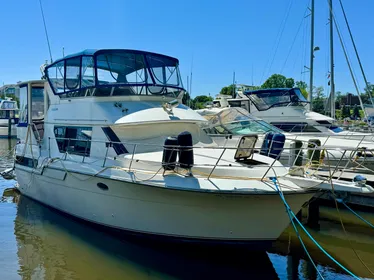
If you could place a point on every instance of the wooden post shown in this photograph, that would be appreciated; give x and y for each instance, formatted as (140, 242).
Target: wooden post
(293, 266)
(9, 128)
(299, 215)
(313, 215)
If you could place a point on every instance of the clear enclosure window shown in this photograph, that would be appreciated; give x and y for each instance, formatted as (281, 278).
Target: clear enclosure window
(114, 73)
(37, 106)
(121, 68)
(72, 79)
(56, 76)
(164, 70)
(87, 72)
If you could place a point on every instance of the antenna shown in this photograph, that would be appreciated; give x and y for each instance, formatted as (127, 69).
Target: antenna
(63, 51)
(45, 30)
(191, 77)
(252, 76)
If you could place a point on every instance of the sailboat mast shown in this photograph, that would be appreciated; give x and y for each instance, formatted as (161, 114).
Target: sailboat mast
(332, 82)
(233, 86)
(310, 95)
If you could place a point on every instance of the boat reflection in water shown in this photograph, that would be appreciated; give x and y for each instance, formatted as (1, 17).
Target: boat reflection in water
(52, 246)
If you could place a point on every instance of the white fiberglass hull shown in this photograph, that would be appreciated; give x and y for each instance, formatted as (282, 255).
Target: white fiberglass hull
(175, 214)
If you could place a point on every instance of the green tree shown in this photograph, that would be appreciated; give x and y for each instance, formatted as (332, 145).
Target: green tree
(318, 100)
(186, 98)
(356, 112)
(346, 112)
(200, 101)
(303, 88)
(227, 90)
(203, 99)
(301, 84)
(278, 81)
(369, 93)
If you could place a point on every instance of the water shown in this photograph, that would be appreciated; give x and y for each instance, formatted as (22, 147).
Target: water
(39, 243)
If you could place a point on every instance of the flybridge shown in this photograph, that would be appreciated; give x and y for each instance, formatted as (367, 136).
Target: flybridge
(115, 73)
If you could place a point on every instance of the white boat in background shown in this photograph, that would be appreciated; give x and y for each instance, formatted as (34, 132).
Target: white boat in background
(285, 108)
(8, 115)
(227, 125)
(114, 146)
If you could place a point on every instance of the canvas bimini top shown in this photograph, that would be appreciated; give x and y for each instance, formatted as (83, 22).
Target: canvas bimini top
(114, 72)
(265, 99)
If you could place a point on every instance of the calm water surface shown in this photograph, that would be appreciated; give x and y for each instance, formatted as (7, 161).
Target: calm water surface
(39, 243)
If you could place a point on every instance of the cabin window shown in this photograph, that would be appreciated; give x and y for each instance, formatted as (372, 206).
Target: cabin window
(74, 140)
(56, 74)
(4, 114)
(37, 99)
(72, 75)
(235, 103)
(295, 127)
(25, 161)
(8, 105)
(87, 72)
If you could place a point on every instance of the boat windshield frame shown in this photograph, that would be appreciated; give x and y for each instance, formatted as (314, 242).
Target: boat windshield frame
(237, 116)
(109, 70)
(295, 98)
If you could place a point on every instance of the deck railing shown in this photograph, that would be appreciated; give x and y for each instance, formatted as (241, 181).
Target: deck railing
(311, 156)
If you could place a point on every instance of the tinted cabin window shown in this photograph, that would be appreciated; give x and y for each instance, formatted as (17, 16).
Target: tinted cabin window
(74, 140)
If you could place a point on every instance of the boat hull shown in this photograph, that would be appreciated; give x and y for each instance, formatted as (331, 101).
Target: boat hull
(169, 214)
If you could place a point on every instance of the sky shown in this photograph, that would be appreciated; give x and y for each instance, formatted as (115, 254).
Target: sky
(211, 39)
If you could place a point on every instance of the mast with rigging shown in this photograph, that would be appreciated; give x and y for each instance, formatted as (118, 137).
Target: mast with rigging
(332, 81)
(310, 95)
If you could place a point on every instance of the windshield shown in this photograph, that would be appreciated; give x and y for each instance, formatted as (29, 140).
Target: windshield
(236, 121)
(265, 99)
(251, 126)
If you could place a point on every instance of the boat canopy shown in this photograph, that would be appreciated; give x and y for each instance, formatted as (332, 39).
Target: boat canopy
(113, 72)
(265, 99)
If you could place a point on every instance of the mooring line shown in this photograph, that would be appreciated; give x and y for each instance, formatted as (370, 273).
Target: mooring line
(293, 216)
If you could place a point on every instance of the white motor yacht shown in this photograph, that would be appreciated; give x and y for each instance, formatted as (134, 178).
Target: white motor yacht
(285, 108)
(114, 146)
(226, 125)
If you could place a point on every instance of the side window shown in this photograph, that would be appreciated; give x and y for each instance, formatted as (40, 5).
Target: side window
(56, 76)
(23, 109)
(72, 78)
(87, 72)
(74, 140)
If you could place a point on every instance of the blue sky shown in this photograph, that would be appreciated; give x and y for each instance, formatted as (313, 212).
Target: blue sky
(213, 38)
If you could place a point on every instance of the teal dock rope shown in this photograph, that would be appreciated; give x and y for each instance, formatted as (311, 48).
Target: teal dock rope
(293, 216)
(357, 215)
